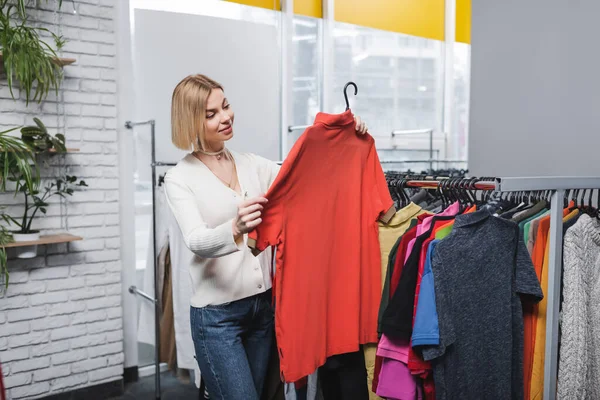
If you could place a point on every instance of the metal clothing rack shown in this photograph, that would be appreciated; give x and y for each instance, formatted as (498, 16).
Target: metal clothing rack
(558, 186)
(134, 290)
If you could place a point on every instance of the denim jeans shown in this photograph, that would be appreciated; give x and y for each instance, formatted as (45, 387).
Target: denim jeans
(233, 343)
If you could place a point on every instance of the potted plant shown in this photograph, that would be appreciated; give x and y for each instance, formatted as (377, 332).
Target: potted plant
(38, 201)
(16, 160)
(37, 138)
(26, 57)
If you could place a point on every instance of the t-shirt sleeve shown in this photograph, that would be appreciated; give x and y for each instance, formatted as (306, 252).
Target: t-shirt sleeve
(447, 334)
(266, 234)
(527, 283)
(267, 171)
(381, 200)
(426, 330)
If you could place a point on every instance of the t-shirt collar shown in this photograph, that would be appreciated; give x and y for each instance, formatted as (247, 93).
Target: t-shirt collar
(403, 215)
(335, 119)
(472, 218)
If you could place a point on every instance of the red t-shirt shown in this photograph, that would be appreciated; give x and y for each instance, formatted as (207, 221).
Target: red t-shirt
(322, 217)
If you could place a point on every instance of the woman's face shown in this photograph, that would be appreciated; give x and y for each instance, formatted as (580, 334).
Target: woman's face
(218, 126)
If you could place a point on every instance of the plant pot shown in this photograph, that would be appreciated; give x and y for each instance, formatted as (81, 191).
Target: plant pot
(26, 251)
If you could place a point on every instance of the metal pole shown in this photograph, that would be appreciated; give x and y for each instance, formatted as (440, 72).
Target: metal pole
(431, 150)
(154, 256)
(134, 290)
(553, 295)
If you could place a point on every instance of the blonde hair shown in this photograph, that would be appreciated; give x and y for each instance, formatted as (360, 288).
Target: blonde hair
(188, 111)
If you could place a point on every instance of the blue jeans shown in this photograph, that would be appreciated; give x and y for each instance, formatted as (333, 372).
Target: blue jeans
(233, 343)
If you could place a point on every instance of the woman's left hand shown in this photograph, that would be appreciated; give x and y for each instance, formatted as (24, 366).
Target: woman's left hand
(361, 127)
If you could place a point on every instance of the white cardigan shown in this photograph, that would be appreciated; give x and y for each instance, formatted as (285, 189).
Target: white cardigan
(221, 271)
(579, 365)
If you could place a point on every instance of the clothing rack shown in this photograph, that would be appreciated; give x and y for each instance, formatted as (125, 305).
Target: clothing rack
(133, 289)
(558, 187)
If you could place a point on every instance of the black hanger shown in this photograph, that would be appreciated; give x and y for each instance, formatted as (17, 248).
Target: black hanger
(400, 191)
(462, 185)
(346, 94)
(473, 189)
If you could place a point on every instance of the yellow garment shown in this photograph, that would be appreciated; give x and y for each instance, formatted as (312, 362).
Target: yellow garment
(388, 235)
(539, 352)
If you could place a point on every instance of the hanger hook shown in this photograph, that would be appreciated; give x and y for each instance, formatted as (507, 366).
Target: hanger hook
(346, 93)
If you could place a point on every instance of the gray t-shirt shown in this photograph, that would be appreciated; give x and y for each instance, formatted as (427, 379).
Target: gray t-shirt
(481, 272)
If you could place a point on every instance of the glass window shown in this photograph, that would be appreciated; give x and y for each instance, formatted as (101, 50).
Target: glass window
(141, 148)
(306, 75)
(399, 80)
(459, 134)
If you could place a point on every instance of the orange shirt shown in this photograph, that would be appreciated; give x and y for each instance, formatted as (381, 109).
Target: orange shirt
(530, 311)
(322, 217)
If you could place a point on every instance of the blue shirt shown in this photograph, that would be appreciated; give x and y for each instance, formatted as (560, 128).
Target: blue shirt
(426, 330)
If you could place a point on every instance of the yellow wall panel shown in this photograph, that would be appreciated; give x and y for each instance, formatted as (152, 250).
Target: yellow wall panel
(309, 8)
(268, 4)
(463, 21)
(424, 18)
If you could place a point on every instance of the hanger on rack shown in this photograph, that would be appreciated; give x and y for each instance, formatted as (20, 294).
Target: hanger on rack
(346, 94)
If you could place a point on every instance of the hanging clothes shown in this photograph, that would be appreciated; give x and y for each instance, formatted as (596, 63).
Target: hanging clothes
(168, 349)
(181, 259)
(397, 343)
(169, 236)
(481, 270)
(337, 312)
(530, 310)
(388, 238)
(535, 316)
(579, 357)
(145, 333)
(397, 318)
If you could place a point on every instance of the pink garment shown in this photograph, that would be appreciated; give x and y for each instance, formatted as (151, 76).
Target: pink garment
(395, 380)
(393, 348)
(452, 209)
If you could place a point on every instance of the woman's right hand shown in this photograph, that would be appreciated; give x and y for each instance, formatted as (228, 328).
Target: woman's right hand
(248, 216)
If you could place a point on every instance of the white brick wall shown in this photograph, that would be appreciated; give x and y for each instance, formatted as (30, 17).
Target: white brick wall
(61, 318)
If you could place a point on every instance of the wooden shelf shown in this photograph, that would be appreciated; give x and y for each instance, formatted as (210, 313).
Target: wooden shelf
(53, 151)
(48, 239)
(61, 61)
(68, 151)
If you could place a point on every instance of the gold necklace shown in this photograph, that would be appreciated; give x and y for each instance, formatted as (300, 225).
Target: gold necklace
(217, 154)
(233, 170)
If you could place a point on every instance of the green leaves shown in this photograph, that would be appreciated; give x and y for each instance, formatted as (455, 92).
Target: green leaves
(62, 187)
(27, 58)
(39, 140)
(17, 162)
(5, 238)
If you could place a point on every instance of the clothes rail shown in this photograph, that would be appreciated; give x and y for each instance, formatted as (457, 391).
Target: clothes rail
(558, 185)
(133, 289)
(433, 184)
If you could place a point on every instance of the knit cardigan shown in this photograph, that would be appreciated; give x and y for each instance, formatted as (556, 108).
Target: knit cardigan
(579, 358)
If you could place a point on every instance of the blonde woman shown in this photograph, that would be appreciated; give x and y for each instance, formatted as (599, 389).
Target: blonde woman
(217, 196)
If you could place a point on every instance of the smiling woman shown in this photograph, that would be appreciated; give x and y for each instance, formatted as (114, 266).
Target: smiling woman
(217, 197)
(215, 206)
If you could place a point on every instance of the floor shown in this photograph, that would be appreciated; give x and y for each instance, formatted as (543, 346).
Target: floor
(171, 389)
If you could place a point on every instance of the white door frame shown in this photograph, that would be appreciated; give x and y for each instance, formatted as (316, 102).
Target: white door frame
(125, 110)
